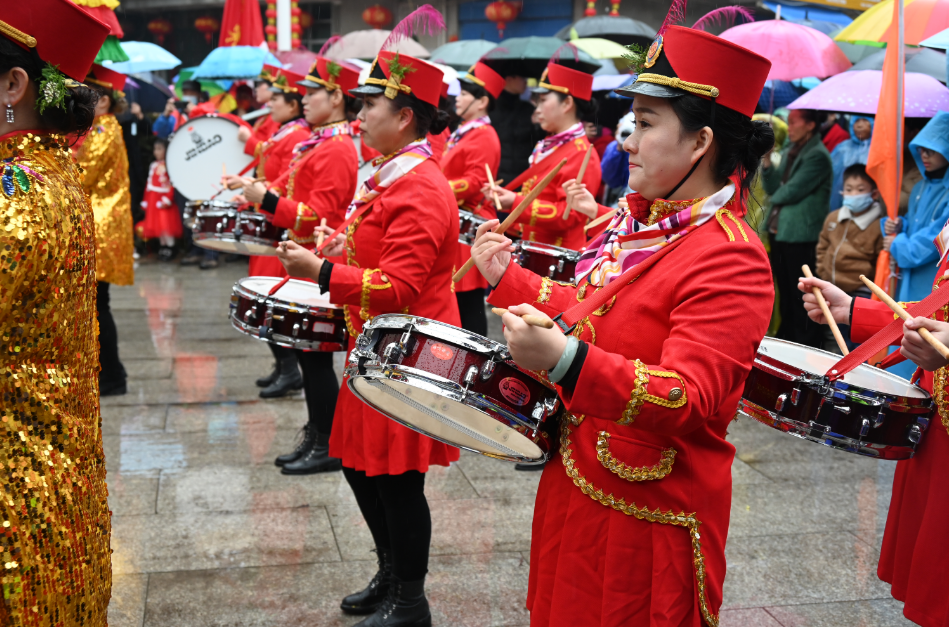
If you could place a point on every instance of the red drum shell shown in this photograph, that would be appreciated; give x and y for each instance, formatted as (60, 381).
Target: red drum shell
(234, 231)
(553, 262)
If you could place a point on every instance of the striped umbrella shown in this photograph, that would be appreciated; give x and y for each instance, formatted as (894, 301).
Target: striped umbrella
(923, 19)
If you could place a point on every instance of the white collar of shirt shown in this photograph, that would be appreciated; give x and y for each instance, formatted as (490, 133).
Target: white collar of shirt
(862, 220)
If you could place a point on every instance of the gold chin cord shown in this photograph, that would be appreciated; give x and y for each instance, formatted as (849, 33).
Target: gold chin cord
(709, 91)
(17, 35)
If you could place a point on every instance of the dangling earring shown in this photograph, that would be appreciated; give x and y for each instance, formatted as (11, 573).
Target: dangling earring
(9, 114)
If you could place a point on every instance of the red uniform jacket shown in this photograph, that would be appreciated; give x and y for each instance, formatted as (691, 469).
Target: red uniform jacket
(275, 160)
(543, 220)
(438, 144)
(400, 256)
(321, 186)
(643, 459)
(264, 128)
(463, 166)
(915, 549)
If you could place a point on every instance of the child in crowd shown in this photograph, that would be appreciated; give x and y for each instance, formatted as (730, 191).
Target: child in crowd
(162, 220)
(850, 240)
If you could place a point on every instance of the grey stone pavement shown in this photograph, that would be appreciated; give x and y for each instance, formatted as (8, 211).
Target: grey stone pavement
(206, 531)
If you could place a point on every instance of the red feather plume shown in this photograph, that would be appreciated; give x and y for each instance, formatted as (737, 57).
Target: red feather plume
(424, 20)
(724, 15)
(329, 42)
(675, 15)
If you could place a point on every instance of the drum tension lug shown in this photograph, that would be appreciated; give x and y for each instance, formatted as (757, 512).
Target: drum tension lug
(487, 370)
(915, 433)
(471, 375)
(879, 419)
(864, 428)
(795, 395)
(779, 404)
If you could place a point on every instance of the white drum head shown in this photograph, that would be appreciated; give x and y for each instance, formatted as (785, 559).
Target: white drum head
(294, 291)
(819, 362)
(196, 152)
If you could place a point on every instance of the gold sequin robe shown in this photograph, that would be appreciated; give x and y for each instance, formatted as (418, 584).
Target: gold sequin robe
(105, 164)
(54, 513)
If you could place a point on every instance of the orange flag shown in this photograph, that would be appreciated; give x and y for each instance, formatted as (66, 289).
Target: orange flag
(885, 162)
(242, 24)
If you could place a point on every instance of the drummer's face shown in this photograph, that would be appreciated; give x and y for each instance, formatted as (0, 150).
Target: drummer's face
(383, 126)
(317, 106)
(262, 93)
(280, 110)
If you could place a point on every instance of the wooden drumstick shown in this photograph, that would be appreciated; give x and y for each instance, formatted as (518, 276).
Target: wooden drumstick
(583, 170)
(826, 310)
(321, 236)
(531, 319)
(497, 201)
(239, 184)
(905, 315)
(513, 216)
(606, 217)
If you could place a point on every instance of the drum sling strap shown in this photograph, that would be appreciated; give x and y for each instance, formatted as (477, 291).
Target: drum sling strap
(888, 334)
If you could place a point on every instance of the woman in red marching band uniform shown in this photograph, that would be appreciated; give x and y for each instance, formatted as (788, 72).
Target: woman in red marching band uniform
(630, 522)
(264, 126)
(473, 146)
(401, 245)
(915, 550)
(565, 103)
(320, 183)
(274, 155)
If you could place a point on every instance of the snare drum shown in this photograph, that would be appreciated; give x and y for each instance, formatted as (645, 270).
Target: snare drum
(552, 262)
(234, 231)
(468, 224)
(869, 412)
(453, 386)
(197, 150)
(192, 207)
(296, 316)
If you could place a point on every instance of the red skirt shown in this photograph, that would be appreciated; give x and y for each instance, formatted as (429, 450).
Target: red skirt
(368, 441)
(591, 565)
(161, 221)
(915, 546)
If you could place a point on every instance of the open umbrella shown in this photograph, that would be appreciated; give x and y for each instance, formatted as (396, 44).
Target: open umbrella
(212, 87)
(859, 92)
(143, 56)
(622, 30)
(365, 44)
(795, 51)
(600, 48)
(235, 62)
(939, 40)
(528, 56)
(922, 19)
(461, 55)
(151, 97)
(920, 60)
(298, 61)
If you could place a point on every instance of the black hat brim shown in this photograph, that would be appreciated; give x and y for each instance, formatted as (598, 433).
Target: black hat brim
(309, 84)
(367, 90)
(649, 89)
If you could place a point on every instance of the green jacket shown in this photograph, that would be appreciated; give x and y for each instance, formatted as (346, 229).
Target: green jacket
(805, 198)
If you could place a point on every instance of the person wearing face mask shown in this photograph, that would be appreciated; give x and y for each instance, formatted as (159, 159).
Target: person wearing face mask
(851, 241)
(854, 149)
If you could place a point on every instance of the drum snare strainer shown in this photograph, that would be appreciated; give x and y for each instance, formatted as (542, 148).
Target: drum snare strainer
(869, 412)
(452, 385)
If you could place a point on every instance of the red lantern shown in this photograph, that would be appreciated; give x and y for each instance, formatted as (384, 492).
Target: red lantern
(590, 11)
(306, 20)
(271, 28)
(502, 12)
(159, 27)
(207, 25)
(614, 8)
(377, 16)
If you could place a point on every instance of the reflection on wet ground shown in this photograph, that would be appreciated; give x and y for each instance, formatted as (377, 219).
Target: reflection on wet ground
(207, 532)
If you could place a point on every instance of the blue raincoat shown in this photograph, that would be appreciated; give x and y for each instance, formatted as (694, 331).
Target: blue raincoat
(844, 155)
(913, 247)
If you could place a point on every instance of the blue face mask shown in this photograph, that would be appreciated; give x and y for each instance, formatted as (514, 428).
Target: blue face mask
(858, 203)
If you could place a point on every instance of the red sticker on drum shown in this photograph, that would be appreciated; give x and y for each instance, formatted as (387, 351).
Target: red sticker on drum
(442, 352)
(515, 391)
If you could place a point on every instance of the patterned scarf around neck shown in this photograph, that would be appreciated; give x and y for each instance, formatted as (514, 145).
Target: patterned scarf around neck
(463, 129)
(286, 129)
(548, 145)
(942, 241)
(319, 135)
(390, 169)
(628, 242)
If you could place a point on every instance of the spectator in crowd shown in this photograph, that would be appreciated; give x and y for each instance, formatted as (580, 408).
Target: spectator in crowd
(800, 194)
(911, 173)
(854, 149)
(832, 131)
(135, 126)
(759, 202)
(599, 136)
(851, 241)
(511, 119)
(169, 121)
(614, 164)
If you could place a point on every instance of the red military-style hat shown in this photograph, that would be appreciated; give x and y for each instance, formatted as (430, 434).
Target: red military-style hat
(286, 81)
(393, 73)
(268, 73)
(62, 34)
(683, 60)
(331, 76)
(110, 79)
(483, 76)
(564, 80)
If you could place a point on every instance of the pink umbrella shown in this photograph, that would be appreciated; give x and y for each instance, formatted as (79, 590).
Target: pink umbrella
(795, 51)
(859, 92)
(298, 61)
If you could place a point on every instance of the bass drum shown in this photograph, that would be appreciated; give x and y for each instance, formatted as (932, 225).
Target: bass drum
(196, 152)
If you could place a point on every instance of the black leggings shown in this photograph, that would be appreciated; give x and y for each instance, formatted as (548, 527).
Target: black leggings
(113, 372)
(471, 308)
(397, 513)
(321, 388)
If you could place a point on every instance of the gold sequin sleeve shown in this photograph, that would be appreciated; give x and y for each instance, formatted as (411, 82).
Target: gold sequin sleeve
(103, 158)
(54, 516)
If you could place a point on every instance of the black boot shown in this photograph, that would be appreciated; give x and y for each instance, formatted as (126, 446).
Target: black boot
(404, 606)
(307, 436)
(267, 381)
(316, 459)
(368, 600)
(288, 379)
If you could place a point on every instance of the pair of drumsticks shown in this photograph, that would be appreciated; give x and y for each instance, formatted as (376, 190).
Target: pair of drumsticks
(884, 297)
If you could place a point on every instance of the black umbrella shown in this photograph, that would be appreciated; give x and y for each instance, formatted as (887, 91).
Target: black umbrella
(921, 60)
(622, 30)
(528, 56)
(150, 96)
